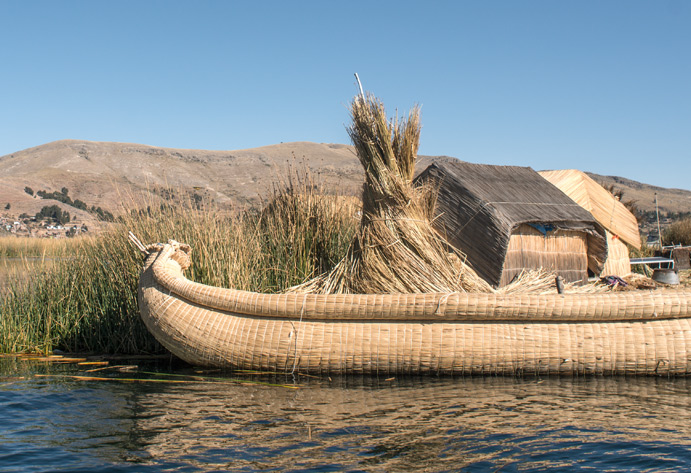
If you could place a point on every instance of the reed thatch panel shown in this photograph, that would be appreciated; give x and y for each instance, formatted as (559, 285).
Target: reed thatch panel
(485, 241)
(607, 210)
(618, 262)
(562, 251)
(480, 206)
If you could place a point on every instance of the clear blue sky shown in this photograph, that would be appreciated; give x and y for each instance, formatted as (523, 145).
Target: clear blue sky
(603, 86)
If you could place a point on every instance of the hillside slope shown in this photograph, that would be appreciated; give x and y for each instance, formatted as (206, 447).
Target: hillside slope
(669, 200)
(98, 173)
(103, 173)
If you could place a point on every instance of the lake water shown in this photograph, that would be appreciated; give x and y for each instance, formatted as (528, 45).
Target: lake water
(52, 421)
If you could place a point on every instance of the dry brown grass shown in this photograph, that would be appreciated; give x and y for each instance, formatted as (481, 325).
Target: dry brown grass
(22, 247)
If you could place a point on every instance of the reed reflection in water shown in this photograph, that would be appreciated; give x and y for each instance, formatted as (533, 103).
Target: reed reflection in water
(428, 424)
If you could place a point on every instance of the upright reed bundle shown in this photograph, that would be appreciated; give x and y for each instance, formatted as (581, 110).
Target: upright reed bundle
(396, 250)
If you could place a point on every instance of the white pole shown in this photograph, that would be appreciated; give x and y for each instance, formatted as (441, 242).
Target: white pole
(362, 94)
(657, 214)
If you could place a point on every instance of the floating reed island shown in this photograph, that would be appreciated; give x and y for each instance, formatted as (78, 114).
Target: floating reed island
(404, 300)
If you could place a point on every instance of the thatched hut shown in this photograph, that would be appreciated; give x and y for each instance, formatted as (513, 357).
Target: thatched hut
(620, 223)
(507, 218)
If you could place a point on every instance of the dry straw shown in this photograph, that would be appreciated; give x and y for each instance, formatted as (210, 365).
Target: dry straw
(396, 250)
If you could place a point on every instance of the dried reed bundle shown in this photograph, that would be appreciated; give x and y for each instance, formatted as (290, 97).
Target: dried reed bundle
(637, 281)
(396, 250)
(542, 281)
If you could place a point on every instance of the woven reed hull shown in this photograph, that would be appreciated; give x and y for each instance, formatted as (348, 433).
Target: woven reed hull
(454, 343)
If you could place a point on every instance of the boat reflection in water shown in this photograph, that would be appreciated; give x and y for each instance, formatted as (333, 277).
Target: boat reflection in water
(57, 423)
(437, 424)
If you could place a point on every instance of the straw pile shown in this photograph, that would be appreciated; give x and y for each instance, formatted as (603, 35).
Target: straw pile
(395, 250)
(543, 281)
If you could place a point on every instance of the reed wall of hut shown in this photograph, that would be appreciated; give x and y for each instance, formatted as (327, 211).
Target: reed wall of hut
(508, 218)
(562, 251)
(618, 262)
(620, 223)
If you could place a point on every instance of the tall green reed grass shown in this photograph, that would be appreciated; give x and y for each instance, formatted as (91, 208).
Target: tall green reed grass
(678, 233)
(87, 303)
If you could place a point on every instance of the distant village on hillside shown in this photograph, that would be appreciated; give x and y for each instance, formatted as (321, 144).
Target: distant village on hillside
(30, 227)
(51, 221)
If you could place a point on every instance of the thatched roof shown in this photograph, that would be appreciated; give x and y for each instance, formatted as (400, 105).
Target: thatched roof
(612, 214)
(479, 206)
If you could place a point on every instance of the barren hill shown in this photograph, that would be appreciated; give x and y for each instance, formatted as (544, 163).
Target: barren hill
(669, 200)
(103, 174)
(99, 173)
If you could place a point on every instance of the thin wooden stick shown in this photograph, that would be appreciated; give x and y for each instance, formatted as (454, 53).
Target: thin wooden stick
(140, 246)
(362, 93)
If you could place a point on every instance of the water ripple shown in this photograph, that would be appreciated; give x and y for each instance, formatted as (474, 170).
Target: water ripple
(363, 424)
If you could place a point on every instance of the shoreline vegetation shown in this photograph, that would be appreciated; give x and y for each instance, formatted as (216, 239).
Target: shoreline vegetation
(86, 301)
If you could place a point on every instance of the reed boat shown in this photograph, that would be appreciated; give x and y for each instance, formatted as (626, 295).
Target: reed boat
(637, 332)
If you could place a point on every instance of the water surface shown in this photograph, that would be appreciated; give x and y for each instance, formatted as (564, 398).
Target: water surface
(214, 423)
